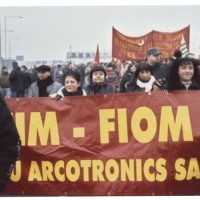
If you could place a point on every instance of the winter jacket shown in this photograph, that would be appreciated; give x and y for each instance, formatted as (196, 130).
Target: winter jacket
(80, 92)
(51, 89)
(16, 80)
(26, 80)
(104, 88)
(4, 80)
(126, 78)
(180, 86)
(159, 71)
(9, 144)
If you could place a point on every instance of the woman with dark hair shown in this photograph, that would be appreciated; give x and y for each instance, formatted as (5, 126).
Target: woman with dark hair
(143, 79)
(72, 86)
(98, 83)
(183, 75)
(127, 77)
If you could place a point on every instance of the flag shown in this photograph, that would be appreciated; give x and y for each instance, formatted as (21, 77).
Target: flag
(134, 48)
(183, 47)
(96, 59)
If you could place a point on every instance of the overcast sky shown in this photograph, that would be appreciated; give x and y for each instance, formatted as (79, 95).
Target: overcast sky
(46, 33)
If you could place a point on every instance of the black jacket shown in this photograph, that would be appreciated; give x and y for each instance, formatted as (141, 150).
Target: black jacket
(104, 88)
(16, 80)
(26, 80)
(9, 144)
(160, 71)
(125, 79)
(180, 86)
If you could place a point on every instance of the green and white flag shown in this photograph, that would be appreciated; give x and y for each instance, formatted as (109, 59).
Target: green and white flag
(183, 47)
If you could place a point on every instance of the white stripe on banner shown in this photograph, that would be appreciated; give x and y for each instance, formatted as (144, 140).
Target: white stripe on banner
(183, 47)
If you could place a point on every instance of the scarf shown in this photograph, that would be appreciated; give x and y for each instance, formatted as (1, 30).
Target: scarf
(146, 85)
(78, 93)
(43, 84)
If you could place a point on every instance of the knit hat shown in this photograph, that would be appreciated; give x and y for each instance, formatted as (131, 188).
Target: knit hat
(98, 68)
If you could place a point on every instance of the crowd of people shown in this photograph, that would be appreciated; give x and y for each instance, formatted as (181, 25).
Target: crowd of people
(176, 73)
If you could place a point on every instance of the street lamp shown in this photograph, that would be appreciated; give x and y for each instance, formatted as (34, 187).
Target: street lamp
(5, 18)
(10, 39)
(0, 40)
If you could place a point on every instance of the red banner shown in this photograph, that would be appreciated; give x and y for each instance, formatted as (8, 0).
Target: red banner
(135, 48)
(119, 144)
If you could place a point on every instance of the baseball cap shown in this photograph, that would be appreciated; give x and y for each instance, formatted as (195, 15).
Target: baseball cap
(153, 51)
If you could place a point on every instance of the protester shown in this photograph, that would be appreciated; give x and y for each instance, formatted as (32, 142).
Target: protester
(97, 82)
(153, 59)
(26, 80)
(45, 85)
(183, 75)
(16, 81)
(5, 83)
(81, 68)
(87, 74)
(72, 86)
(129, 73)
(143, 79)
(112, 75)
(66, 69)
(33, 73)
(9, 144)
(58, 74)
(177, 54)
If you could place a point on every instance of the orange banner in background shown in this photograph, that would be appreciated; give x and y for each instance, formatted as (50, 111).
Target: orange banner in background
(119, 144)
(135, 48)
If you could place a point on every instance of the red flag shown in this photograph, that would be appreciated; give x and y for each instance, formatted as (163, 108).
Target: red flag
(96, 59)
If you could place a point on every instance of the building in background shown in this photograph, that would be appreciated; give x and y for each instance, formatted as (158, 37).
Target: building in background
(71, 56)
(87, 56)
